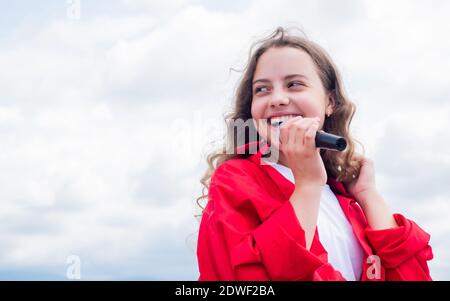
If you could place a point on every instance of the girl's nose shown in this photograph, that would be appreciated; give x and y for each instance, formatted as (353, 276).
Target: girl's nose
(278, 98)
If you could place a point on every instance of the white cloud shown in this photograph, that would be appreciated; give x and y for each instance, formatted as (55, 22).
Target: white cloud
(104, 121)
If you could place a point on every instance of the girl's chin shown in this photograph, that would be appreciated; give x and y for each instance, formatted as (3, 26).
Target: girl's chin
(269, 133)
(274, 135)
(272, 145)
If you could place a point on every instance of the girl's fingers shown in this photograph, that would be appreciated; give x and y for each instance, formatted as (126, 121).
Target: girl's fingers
(302, 130)
(310, 135)
(290, 129)
(292, 132)
(285, 134)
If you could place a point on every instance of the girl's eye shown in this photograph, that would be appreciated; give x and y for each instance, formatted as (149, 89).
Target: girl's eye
(260, 89)
(295, 84)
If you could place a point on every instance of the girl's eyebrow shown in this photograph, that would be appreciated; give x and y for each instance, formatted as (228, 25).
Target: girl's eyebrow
(265, 80)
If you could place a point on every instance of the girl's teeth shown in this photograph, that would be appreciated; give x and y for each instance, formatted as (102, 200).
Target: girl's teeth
(276, 121)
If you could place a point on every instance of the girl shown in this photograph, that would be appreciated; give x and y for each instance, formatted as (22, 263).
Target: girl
(310, 213)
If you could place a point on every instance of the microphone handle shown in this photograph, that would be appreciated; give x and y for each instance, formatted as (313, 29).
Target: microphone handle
(330, 141)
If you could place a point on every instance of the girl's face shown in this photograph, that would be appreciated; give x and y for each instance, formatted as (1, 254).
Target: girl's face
(286, 83)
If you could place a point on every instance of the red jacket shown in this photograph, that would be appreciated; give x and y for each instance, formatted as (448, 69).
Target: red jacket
(249, 231)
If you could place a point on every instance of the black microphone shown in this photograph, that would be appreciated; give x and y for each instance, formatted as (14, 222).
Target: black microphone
(330, 141)
(327, 140)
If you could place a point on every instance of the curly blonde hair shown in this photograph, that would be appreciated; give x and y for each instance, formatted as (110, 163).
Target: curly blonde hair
(339, 165)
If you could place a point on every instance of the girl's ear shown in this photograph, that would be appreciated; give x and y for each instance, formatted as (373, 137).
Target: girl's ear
(331, 103)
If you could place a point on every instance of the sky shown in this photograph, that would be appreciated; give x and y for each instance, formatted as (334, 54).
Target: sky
(108, 109)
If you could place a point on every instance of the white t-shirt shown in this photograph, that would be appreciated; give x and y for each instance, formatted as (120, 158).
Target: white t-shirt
(335, 232)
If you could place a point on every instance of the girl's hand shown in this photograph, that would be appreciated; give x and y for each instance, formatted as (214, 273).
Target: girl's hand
(298, 146)
(372, 203)
(364, 185)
